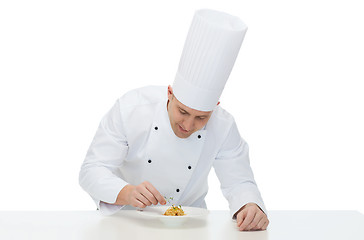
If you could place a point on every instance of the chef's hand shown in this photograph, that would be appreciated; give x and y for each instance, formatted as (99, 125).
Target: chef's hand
(251, 217)
(140, 196)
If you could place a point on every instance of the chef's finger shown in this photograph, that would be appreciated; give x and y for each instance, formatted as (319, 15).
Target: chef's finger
(148, 195)
(257, 218)
(247, 220)
(240, 217)
(141, 193)
(147, 201)
(265, 225)
(260, 224)
(136, 203)
(155, 193)
(143, 199)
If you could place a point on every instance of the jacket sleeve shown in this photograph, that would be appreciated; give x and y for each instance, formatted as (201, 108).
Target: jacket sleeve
(232, 167)
(99, 174)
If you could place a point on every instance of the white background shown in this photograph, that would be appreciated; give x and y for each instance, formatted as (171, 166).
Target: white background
(296, 92)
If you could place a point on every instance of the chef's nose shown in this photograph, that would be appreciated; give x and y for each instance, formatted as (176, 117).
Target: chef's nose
(188, 123)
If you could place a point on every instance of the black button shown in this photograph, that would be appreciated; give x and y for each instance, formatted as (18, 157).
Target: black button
(189, 167)
(199, 136)
(156, 128)
(177, 190)
(149, 161)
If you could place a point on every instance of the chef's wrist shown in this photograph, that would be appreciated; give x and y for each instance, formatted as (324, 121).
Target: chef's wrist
(123, 196)
(244, 206)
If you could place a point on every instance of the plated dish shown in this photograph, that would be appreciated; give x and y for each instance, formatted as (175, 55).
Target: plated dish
(174, 211)
(159, 211)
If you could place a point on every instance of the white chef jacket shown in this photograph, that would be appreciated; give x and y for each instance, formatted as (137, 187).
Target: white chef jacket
(135, 143)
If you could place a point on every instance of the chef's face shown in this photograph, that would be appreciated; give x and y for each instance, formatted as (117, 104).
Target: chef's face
(184, 120)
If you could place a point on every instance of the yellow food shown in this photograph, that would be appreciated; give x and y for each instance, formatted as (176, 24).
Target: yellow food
(174, 211)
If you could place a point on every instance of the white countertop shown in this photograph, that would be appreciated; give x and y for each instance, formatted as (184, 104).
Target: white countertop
(129, 224)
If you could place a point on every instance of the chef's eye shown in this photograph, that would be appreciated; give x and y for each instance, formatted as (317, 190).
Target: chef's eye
(182, 112)
(201, 118)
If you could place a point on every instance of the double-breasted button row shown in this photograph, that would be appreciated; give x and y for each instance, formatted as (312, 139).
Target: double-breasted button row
(150, 161)
(156, 128)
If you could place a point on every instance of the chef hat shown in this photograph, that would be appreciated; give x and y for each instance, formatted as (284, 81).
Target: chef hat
(208, 56)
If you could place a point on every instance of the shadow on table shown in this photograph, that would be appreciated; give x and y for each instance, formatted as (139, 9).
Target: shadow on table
(156, 223)
(126, 226)
(133, 226)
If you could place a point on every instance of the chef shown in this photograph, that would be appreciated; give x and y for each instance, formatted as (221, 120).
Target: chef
(158, 142)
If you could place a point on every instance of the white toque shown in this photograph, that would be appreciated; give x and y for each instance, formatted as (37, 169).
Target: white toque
(208, 56)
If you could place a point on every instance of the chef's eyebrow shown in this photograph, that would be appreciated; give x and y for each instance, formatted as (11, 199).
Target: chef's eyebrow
(200, 116)
(181, 109)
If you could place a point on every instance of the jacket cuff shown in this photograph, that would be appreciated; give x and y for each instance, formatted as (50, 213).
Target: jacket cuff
(106, 205)
(238, 202)
(108, 191)
(108, 209)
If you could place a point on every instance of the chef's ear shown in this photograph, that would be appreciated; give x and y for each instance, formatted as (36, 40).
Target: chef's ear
(170, 93)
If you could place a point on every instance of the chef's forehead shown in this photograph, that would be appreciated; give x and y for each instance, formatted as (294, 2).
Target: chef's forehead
(191, 110)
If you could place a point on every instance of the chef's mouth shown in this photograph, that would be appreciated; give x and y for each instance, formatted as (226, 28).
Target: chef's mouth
(181, 129)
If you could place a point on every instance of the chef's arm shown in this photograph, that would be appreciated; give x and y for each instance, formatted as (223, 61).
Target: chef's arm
(140, 196)
(99, 175)
(246, 205)
(123, 196)
(232, 167)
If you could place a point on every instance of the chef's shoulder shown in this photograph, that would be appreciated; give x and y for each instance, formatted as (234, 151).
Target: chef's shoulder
(143, 95)
(144, 98)
(221, 122)
(222, 118)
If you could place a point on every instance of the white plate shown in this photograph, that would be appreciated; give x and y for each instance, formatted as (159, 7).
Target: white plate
(157, 212)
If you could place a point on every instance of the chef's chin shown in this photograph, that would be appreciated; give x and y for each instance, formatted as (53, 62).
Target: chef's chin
(180, 133)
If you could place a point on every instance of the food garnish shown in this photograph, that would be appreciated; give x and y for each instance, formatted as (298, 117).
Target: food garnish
(174, 211)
